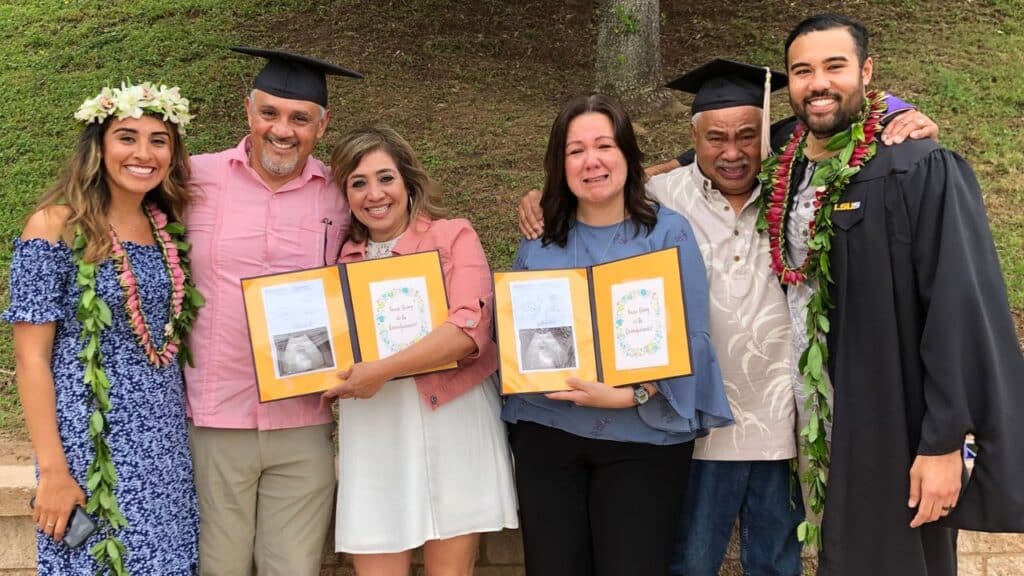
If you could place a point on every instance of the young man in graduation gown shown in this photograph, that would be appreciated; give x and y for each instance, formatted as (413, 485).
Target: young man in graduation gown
(921, 348)
(264, 472)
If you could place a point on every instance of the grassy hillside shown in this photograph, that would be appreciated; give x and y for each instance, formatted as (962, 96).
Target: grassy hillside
(474, 86)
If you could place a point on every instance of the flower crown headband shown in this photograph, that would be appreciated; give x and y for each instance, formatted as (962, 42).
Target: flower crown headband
(134, 101)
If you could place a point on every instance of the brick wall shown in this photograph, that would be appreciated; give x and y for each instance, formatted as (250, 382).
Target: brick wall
(982, 554)
(501, 553)
(17, 535)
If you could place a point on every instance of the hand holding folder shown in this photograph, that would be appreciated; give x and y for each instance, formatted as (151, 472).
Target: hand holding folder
(306, 325)
(618, 323)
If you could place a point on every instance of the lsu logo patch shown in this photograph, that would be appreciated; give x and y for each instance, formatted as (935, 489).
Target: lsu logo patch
(846, 206)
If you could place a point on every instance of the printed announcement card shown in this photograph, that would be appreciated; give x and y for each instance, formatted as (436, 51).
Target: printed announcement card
(395, 302)
(401, 313)
(302, 327)
(621, 322)
(639, 324)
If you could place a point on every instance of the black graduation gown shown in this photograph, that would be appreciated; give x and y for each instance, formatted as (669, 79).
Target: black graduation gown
(922, 351)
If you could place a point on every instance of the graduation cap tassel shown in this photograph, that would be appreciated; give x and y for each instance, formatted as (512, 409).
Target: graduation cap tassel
(766, 117)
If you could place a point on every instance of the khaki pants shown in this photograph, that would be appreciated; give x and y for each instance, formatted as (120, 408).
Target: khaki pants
(264, 497)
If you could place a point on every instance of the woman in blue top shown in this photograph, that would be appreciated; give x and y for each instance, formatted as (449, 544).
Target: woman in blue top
(601, 472)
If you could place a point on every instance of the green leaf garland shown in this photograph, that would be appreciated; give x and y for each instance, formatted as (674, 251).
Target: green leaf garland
(95, 316)
(855, 146)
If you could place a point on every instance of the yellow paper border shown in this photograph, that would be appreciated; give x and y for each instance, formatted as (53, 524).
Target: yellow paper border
(512, 380)
(663, 264)
(361, 274)
(269, 385)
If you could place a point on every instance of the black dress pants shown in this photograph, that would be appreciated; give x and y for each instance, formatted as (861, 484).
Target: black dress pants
(597, 507)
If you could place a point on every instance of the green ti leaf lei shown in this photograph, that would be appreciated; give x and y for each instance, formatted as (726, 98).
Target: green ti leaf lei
(101, 477)
(95, 316)
(855, 147)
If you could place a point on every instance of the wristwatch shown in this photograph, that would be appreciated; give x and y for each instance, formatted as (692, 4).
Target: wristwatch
(640, 395)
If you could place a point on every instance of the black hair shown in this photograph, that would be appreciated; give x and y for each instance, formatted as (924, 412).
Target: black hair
(558, 203)
(830, 21)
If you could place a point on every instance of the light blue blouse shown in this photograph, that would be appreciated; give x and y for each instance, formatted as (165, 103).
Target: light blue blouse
(685, 407)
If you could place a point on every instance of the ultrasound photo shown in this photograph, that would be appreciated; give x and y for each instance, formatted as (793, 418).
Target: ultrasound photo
(547, 349)
(304, 351)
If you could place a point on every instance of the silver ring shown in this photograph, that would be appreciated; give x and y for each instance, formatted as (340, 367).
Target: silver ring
(50, 524)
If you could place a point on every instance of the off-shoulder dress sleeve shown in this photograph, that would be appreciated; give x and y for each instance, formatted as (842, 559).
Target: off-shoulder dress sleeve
(42, 275)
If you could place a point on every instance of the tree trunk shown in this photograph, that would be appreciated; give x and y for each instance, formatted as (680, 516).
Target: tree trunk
(628, 58)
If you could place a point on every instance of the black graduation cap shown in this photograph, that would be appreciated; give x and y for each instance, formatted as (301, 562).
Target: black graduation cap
(723, 83)
(294, 76)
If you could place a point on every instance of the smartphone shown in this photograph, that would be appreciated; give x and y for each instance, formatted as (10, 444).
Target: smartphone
(80, 526)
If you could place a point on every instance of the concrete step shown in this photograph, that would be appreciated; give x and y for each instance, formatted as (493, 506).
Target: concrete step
(18, 552)
(501, 553)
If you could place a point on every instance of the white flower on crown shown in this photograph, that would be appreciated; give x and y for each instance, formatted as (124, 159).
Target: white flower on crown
(132, 101)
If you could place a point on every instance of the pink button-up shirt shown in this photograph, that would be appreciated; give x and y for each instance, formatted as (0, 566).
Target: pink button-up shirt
(238, 228)
(467, 278)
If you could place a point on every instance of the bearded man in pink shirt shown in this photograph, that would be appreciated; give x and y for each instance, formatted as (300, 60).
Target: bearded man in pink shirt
(264, 472)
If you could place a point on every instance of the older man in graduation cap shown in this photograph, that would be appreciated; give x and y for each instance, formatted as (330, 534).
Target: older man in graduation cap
(264, 472)
(741, 471)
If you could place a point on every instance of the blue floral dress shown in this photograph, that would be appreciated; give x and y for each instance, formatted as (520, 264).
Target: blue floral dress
(147, 429)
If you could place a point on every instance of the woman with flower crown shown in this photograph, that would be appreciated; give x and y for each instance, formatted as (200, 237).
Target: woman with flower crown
(100, 300)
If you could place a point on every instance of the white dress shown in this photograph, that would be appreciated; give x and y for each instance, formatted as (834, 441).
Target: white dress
(408, 474)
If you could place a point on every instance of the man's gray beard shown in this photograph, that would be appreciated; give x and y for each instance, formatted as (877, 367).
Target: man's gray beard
(282, 168)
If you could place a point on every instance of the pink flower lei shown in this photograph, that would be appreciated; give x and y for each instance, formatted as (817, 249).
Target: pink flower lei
(133, 303)
(857, 145)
